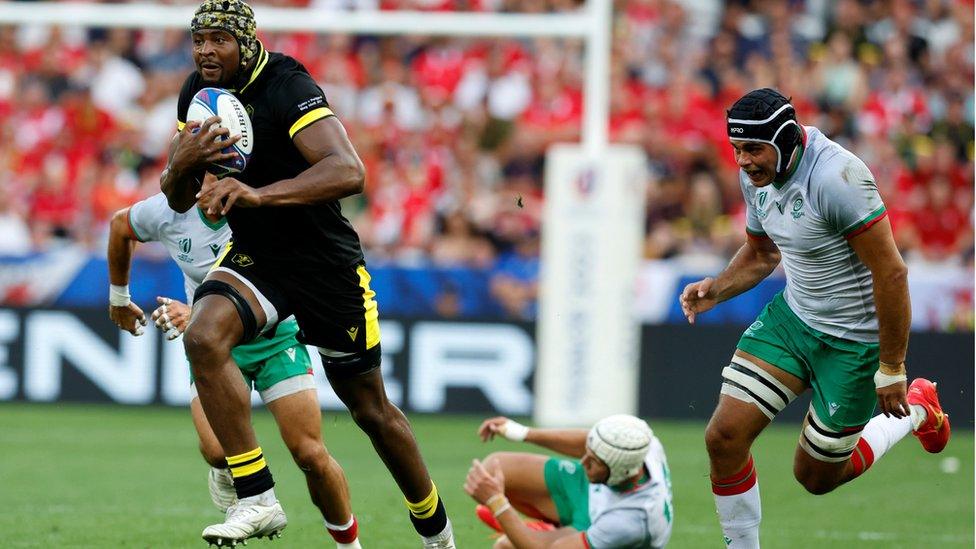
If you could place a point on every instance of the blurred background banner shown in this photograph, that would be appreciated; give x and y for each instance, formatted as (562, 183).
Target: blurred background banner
(430, 366)
(942, 296)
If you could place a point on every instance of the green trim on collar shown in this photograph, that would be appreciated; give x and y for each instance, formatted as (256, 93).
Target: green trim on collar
(213, 225)
(625, 487)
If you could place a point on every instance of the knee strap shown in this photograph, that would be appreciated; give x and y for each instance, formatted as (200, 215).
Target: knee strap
(825, 444)
(342, 365)
(243, 310)
(744, 380)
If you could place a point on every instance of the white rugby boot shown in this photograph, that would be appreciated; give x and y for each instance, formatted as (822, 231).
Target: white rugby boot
(247, 519)
(221, 485)
(444, 540)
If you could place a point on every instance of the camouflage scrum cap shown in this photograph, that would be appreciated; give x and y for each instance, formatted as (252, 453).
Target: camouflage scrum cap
(232, 16)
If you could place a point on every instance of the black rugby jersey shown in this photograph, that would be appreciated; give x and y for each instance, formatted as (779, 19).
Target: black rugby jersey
(282, 99)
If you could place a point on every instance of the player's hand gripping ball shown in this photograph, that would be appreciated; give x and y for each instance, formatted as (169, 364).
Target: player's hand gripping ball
(210, 102)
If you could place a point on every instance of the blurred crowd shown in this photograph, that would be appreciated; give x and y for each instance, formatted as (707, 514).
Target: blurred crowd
(453, 131)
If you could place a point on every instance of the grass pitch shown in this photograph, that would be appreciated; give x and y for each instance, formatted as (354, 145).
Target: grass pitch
(107, 476)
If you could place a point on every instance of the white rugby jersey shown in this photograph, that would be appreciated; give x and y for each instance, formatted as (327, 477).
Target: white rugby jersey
(830, 198)
(192, 240)
(639, 518)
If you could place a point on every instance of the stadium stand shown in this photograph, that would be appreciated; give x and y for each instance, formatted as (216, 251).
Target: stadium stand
(453, 131)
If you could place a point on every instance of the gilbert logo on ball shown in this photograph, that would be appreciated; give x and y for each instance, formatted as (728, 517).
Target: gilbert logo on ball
(218, 102)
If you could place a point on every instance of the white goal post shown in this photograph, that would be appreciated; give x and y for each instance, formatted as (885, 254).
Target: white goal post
(594, 191)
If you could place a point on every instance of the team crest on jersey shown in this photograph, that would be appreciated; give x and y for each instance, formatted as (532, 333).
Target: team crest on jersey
(185, 245)
(797, 208)
(242, 260)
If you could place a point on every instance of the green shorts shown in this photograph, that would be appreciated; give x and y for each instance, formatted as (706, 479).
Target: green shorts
(570, 491)
(265, 362)
(840, 371)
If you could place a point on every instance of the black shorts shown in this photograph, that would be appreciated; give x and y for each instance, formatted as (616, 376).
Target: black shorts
(334, 305)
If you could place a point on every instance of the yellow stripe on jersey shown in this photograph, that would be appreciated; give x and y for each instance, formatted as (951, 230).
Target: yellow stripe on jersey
(180, 125)
(262, 61)
(369, 304)
(220, 258)
(308, 118)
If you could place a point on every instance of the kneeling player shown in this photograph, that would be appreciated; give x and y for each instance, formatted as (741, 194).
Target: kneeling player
(278, 367)
(615, 493)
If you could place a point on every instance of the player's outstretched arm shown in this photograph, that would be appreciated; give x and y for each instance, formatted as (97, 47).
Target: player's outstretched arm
(189, 154)
(336, 170)
(125, 314)
(752, 263)
(569, 442)
(876, 248)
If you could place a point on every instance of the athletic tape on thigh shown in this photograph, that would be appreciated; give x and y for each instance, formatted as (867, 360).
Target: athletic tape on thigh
(748, 382)
(270, 312)
(340, 364)
(824, 444)
(243, 310)
(288, 386)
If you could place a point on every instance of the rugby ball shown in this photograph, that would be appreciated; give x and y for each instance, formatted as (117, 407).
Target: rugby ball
(218, 102)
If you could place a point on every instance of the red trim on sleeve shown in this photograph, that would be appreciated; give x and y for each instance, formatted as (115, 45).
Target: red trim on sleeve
(867, 225)
(757, 236)
(586, 542)
(128, 225)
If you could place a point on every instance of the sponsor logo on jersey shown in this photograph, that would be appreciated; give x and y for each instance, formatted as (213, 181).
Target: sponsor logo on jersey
(242, 260)
(761, 204)
(353, 332)
(185, 245)
(215, 249)
(797, 208)
(291, 353)
(757, 325)
(833, 406)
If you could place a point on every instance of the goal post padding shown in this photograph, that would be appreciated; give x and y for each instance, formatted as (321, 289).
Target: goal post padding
(588, 332)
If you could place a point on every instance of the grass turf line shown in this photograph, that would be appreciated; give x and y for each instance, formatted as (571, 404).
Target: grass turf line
(112, 476)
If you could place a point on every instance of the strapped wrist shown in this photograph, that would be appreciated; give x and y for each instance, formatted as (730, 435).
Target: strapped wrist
(118, 296)
(892, 369)
(498, 504)
(515, 431)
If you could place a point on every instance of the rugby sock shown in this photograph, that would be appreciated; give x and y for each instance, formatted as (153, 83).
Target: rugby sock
(252, 477)
(879, 435)
(346, 536)
(738, 506)
(428, 515)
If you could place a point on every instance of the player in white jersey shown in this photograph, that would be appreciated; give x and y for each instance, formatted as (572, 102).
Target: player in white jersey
(278, 367)
(840, 328)
(615, 492)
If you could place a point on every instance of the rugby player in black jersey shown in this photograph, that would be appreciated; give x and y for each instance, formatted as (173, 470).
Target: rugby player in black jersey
(293, 253)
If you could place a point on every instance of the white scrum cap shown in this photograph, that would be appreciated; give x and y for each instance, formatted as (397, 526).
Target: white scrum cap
(622, 442)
